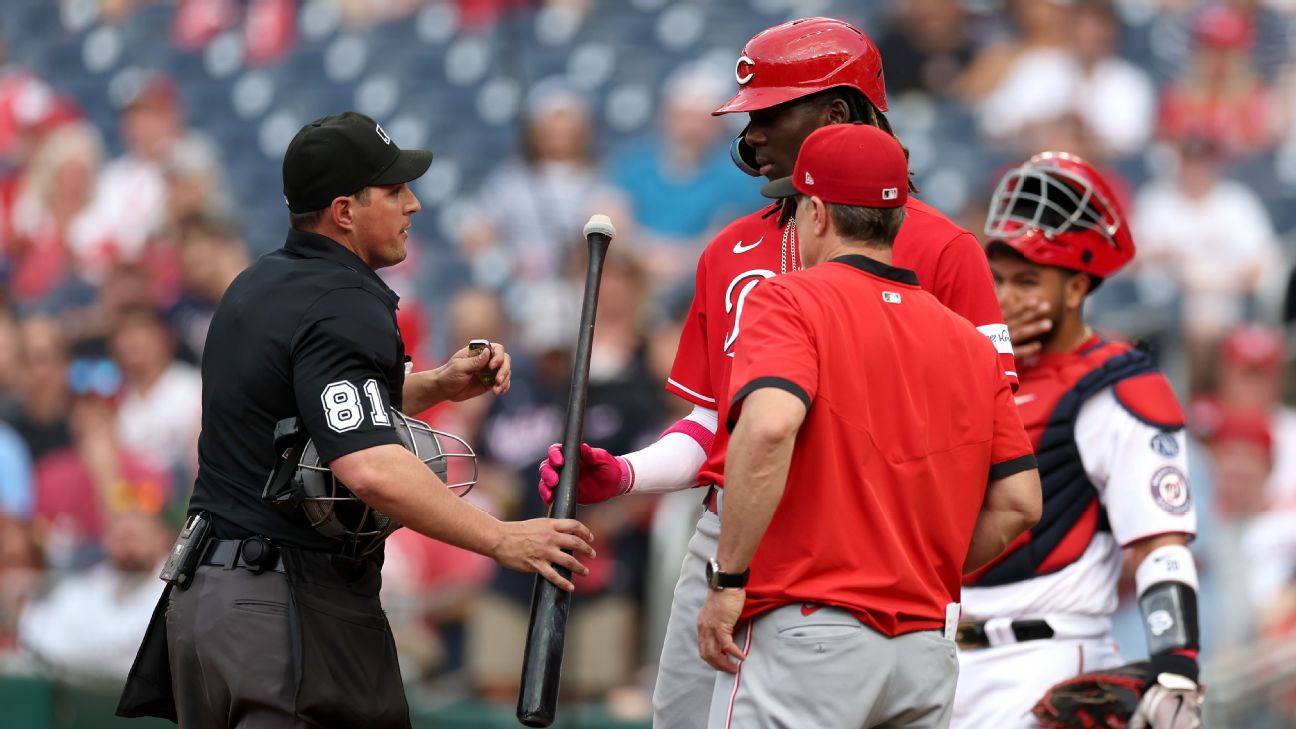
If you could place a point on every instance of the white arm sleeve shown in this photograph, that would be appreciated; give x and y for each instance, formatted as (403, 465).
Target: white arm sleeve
(672, 462)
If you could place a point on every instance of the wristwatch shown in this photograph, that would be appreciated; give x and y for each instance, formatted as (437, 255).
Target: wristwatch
(720, 580)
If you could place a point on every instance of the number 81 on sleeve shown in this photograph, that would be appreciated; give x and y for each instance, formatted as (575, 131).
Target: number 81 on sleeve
(343, 409)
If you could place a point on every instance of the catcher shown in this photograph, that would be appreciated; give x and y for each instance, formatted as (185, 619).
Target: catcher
(1108, 433)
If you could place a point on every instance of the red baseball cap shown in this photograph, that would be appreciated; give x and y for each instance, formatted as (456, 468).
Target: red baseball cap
(1223, 27)
(1254, 345)
(1243, 427)
(848, 164)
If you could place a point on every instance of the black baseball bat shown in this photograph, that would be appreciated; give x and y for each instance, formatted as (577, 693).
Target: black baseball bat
(542, 660)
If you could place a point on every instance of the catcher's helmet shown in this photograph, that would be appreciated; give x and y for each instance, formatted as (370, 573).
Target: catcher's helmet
(803, 57)
(1056, 210)
(336, 512)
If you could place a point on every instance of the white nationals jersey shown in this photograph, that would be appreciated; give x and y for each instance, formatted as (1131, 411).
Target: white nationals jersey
(948, 260)
(1113, 464)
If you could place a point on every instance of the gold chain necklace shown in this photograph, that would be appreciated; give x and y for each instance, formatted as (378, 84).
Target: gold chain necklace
(789, 246)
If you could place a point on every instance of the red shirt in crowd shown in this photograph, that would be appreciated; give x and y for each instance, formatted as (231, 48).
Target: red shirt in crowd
(908, 418)
(948, 260)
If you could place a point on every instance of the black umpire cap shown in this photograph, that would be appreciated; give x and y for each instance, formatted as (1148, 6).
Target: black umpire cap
(342, 154)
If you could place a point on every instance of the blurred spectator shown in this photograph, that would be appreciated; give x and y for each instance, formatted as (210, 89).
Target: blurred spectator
(1242, 448)
(22, 573)
(15, 474)
(91, 623)
(1251, 379)
(130, 201)
(52, 205)
(10, 363)
(41, 417)
(532, 208)
(623, 412)
(160, 409)
(76, 486)
(211, 255)
(195, 181)
(680, 184)
(1220, 95)
(1041, 30)
(1049, 81)
(30, 109)
(473, 313)
(926, 47)
(1213, 238)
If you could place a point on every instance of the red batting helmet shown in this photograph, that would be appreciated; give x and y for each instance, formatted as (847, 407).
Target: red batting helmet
(1056, 210)
(803, 57)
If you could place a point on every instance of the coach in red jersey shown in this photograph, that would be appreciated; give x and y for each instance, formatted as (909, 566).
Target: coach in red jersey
(791, 79)
(876, 455)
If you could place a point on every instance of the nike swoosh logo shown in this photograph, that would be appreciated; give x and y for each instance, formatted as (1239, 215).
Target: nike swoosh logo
(740, 248)
(809, 608)
(1023, 399)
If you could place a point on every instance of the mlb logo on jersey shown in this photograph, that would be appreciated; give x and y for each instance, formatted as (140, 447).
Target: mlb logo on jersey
(891, 297)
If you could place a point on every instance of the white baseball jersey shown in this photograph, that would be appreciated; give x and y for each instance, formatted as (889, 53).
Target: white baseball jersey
(1140, 473)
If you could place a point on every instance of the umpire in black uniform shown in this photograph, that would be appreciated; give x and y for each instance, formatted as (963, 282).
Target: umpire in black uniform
(277, 625)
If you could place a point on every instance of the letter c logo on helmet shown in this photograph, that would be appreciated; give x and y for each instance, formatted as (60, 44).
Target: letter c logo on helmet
(744, 70)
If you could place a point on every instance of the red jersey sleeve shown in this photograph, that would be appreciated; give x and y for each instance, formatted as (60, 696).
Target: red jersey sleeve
(966, 287)
(1011, 451)
(690, 375)
(776, 349)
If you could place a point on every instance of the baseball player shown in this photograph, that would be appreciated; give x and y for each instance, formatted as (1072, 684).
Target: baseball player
(793, 78)
(865, 474)
(1108, 433)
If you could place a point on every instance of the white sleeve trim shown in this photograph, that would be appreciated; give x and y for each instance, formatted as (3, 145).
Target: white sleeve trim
(672, 462)
(698, 395)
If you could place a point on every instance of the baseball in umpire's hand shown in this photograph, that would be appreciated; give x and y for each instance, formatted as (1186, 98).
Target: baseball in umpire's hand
(716, 624)
(459, 378)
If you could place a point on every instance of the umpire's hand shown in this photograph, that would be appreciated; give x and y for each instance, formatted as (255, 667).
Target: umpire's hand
(466, 374)
(537, 545)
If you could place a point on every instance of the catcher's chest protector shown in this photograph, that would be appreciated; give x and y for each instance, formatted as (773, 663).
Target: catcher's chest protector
(1072, 513)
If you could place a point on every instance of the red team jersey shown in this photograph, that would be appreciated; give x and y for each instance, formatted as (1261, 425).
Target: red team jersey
(891, 463)
(948, 260)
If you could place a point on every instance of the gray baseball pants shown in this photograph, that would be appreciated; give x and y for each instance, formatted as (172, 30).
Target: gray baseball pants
(827, 670)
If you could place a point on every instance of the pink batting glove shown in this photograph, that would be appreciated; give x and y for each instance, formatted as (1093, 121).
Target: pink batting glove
(602, 475)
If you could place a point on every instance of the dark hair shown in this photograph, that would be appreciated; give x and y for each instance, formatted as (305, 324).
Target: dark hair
(308, 220)
(862, 111)
(874, 227)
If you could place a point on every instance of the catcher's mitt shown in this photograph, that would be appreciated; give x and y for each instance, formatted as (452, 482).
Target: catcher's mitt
(1098, 700)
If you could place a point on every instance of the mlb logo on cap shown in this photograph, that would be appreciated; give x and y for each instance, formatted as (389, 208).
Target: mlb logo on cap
(854, 164)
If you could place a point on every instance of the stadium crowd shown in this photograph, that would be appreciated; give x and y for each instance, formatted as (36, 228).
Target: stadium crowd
(120, 230)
